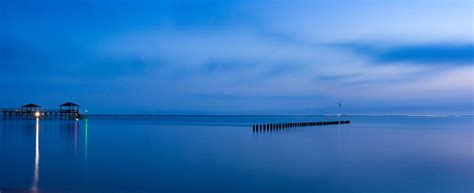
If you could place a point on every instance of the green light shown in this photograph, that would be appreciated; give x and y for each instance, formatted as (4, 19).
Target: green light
(86, 140)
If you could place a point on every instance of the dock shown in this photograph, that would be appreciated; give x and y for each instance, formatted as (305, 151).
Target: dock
(66, 111)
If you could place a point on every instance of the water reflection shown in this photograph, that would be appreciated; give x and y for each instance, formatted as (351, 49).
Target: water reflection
(75, 138)
(68, 128)
(361, 157)
(14, 131)
(36, 171)
(86, 140)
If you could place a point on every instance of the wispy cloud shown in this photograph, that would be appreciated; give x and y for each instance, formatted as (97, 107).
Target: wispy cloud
(424, 54)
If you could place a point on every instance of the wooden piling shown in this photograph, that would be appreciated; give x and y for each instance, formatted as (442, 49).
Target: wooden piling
(277, 126)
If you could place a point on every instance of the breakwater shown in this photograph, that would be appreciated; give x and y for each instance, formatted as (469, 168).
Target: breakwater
(275, 126)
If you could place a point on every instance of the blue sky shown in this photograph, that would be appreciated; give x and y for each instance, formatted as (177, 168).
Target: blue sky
(240, 56)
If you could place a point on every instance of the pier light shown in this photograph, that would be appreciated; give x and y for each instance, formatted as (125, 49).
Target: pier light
(37, 114)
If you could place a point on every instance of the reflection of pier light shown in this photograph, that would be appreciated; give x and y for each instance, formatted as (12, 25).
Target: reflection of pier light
(75, 138)
(36, 172)
(85, 138)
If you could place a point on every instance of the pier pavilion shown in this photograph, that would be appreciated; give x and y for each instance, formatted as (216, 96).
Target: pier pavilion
(31, 107)
(69, 107)
(69, 110)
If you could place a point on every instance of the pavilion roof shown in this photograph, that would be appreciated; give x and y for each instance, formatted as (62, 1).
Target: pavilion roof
(69, 104)
(31, 105)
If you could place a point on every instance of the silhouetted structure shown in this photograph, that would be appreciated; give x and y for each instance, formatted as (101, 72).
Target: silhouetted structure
(31, 107)
(69, 107)
(67, 110)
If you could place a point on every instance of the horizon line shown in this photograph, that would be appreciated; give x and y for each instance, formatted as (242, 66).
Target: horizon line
(273, 115)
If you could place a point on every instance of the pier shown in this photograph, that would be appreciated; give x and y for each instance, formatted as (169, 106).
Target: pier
(66, 111)
(70, 111)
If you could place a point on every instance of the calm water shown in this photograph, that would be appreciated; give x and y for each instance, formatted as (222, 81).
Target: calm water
(222, 154)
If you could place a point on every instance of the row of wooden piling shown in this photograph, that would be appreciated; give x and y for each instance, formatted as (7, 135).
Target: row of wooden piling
(273, 126)
(32, 115)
